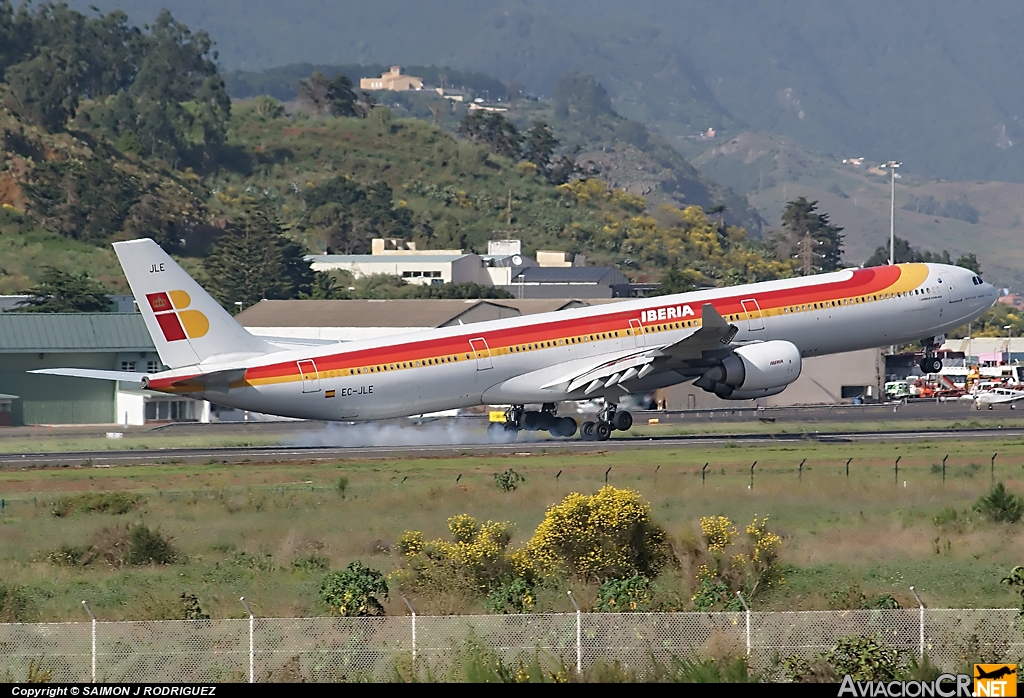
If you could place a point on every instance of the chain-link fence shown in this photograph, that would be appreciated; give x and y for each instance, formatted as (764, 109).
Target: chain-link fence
(433, 647)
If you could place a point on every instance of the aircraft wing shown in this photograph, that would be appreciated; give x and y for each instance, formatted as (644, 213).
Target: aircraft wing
(139, 379)
(555, 382)
(714, 334)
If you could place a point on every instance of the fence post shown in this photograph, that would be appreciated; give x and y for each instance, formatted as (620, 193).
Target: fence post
(252, 645)
(89, 611)
(747, 608)
(920, 605)
(413, 612)
(579, 635)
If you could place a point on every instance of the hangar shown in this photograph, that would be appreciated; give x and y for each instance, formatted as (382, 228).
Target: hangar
(109, 341)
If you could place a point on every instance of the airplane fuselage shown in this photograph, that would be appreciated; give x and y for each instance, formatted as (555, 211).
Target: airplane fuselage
(483, 363)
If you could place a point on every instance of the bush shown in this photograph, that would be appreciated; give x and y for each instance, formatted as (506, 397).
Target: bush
(863, 658)
(354, 591)
(1000, 506)
(71, 556)
(342, 485)
(131, 545)
(190, 608)
(514, 596)
(730, 563)
(508, 481)
(631, 594)
(475, 560)
(1016, 579)
(609, 535)
(98, 502)
(149, 547)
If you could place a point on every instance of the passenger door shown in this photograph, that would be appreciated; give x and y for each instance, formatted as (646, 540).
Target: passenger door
(755, 320)
(310, 376)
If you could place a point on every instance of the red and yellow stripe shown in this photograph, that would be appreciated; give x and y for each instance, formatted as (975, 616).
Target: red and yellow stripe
(862, 286)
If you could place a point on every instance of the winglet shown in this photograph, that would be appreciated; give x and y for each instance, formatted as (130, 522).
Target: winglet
(711, 319)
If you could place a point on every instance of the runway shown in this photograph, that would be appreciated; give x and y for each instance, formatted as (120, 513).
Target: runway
(284, 454)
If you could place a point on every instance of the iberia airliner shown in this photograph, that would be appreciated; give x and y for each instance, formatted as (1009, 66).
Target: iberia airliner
(739, 343)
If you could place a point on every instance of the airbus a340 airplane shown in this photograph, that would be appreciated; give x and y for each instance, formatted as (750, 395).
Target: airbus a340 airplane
(740, 343)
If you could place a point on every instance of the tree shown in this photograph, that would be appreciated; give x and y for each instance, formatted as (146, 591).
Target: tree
(539, 146)
(492, 130)
(582, 96)
(677, 281)
(313, 93)
(253, 260)
(904, 253)
(341, 96)
(809, 237)
(348, 214)
(63, 292)
(464, 290)
(44, 90)
(969, 261)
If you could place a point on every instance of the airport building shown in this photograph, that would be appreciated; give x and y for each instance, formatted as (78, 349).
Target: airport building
(551, 274)
(108, 341)
(366, 319)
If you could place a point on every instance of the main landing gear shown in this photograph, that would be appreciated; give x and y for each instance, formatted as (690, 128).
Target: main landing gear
(518, 419)
(609, 419)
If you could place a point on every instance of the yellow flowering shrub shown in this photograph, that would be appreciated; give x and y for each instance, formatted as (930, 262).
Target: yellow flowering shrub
(475, 559)
(596, 537)
(731, 563)
(718, 532)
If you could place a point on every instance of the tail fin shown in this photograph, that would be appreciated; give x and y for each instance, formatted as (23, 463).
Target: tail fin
(187, 325)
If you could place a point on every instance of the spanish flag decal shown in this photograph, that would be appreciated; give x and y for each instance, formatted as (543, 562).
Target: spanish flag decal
(175, 319)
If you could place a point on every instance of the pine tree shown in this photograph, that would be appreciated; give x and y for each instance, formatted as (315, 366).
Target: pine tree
(809, 237)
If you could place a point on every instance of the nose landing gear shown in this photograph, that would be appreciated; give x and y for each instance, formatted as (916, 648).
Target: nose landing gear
(931, 363)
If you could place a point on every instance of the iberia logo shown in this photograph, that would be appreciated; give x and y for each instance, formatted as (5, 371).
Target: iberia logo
(995, 679)
(175, 321)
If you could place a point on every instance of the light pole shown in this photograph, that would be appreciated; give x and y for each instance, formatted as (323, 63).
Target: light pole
(892, 165)
(1009, 329)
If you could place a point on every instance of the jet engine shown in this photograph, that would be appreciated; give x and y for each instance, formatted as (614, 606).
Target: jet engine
(753, 371)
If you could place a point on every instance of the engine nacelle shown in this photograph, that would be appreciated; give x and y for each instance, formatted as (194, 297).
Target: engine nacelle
(753, 394)
(754, 370)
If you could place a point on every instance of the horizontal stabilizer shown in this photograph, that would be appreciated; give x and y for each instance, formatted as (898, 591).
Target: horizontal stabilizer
(139, 379)
(215, 380)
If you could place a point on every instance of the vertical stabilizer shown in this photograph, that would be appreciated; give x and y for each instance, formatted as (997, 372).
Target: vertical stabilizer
(187, 325)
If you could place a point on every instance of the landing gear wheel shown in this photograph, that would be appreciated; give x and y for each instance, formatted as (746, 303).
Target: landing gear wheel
(496, 432)
(602, 431)
(622, 420)
(930, 364)
(511, 432)
(563, 426)
(587, 431)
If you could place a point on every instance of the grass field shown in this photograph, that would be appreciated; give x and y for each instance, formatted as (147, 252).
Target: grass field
(270, 532)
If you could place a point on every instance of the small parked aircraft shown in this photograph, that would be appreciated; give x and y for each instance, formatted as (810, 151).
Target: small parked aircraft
(997, 396)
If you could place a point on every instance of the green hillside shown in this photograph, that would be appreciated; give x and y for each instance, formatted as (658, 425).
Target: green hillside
(932, 84)
(90, 157)
(961, 217)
